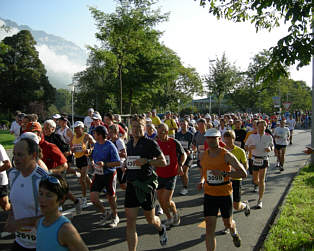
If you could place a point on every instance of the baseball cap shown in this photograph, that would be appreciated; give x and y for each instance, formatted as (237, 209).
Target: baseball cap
(212, 132)
(154, 110)
(90, 110)
(29, 135)
(78, 123)
(56, 116)
(96, 116)
(207, 116)
(63, 118)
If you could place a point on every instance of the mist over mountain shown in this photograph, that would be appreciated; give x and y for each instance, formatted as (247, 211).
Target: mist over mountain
(61, 58)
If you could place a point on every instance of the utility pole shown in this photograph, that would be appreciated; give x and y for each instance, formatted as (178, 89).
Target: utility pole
(312, 127)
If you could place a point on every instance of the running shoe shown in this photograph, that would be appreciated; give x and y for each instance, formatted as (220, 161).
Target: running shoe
(225, 231)
(259, 204)
(169, 223)
(114, 222)
(176, 219)
(84, 202)
(163, 238)
(78, 206)
(236, 240)
(281, 168)
(247, 209)
(184, 191)
(105, 217)
(158, 210)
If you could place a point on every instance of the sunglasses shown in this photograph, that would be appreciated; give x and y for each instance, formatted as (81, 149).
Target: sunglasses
(51, 179)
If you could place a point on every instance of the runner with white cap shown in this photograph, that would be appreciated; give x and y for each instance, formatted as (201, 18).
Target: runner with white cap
(216, 177)
(88, 119)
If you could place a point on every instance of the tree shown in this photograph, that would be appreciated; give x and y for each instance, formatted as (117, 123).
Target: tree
(222, 78)
(63, 101)
(23, 77)
(296, 47)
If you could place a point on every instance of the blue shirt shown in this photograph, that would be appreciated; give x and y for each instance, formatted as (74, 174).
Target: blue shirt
(47, 237)
(106, 152)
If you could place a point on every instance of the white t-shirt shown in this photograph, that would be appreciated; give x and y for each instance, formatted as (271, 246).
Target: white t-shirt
(291, 123)
(3, 174)
(120, 145)
(24, 201)
(260, 142)
(283, 133)
(15, 128)
(87, 122)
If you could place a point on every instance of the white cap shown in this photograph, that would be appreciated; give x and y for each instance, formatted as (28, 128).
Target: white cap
(56, 116)
(212, 132)
(78, 123)
(96, 115)
(148, 120)
(90, 110)
(29, 135)
(207, 116)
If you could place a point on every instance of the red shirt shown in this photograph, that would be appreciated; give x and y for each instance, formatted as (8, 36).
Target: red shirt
(52, 156)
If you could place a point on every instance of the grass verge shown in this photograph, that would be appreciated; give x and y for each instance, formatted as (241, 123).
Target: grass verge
(6, 139)
(294, 230)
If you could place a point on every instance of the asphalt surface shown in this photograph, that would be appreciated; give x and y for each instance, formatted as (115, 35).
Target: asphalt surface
(190, 235)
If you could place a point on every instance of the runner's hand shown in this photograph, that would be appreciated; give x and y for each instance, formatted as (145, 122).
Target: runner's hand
(180, 171)
(200, 186)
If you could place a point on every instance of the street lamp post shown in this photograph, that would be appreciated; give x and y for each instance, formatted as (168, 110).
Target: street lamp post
(72, 88)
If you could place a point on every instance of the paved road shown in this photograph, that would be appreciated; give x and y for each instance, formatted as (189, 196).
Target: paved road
(190, 234)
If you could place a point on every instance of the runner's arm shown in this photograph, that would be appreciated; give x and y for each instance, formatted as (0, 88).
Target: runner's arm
(69, 237)
(239, 172)
(6, 165)
(59, 169)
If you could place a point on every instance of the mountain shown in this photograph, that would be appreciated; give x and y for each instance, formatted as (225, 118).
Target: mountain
(61, 58)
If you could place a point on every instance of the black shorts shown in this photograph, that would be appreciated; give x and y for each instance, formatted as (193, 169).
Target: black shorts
(256, 168)
(121, 176)
(3, 191)
(236, 187)
(167, 183)
(131, 200)
(251, 166)
(278, 147)
(70, 159)
(188, 162)
(81, 162)
(212, 204)
(107, 181)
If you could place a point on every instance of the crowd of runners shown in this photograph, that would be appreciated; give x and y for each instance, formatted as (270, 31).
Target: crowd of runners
(144, 156)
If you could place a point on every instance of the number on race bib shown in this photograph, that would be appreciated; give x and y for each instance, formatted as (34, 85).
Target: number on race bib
(130, 162)
(185, 144)
(201, 148)
(258, 162)
(78, 148)
(98, 170)
(212, 179)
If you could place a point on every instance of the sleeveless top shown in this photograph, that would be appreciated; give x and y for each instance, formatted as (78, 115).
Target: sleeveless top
(63, 134)
(79, 146)
(47, 237)
(216, 185)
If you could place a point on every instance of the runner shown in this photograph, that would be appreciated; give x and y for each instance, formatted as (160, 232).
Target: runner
(79, 146)
(260, 143)
(291, 125)
(105, 160)
(281, 136)
(185, 137)
(172, 125)
(155, 119)
(143, 153)
(229, 139)
(199, 140)
(150, 131)
(88, 119)
(24, 181)
(108, 120)
(5, 165)
(240, 134)
(167, 176)
(54, 231)
(216, 165)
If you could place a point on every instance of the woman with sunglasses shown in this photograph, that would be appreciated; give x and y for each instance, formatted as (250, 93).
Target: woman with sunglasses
(54, 231)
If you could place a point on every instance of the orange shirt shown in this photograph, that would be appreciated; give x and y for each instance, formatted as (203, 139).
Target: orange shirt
(216, 185)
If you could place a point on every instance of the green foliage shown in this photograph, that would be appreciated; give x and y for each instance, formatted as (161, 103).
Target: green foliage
(23, 78)
(296, 47)
(6, 139)
(294, 229)
(63, 101)
(132, 71)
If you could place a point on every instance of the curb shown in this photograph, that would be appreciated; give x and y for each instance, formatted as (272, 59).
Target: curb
(274, 216)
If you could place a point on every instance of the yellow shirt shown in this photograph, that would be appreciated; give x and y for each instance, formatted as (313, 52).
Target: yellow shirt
(240, 155)
(156, 121)
(172, 126)
(79, 146)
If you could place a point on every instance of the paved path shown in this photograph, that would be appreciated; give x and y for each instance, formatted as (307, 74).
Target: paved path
(190, 234)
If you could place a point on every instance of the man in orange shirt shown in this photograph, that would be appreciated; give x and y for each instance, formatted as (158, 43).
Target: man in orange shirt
(216, 163)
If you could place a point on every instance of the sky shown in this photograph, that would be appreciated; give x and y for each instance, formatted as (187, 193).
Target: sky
(194, 34)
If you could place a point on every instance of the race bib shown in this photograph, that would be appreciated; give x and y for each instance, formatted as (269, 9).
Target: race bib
(212, 179)
(130, 163)
(185, 144)
(237, 143)
(258, 162)
(78, 148)
(201, 148)
(167, 157)
(27, 236)
(98, 170)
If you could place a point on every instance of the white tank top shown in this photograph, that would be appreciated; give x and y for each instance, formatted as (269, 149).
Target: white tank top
(63, 134)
